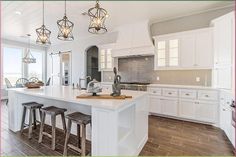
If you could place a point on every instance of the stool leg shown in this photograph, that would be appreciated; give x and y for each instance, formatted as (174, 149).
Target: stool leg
(34, 116)
(83, 140)
(67, 137)
(23, 119)
(30, 123)
(53, 121)
(78, 135)
(41, 127)
(63, 122)
(40, 115)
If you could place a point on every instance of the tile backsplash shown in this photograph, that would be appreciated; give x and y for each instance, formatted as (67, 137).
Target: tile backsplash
(140, 69)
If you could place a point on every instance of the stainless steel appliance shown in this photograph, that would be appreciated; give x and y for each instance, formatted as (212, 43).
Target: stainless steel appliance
(137, 86)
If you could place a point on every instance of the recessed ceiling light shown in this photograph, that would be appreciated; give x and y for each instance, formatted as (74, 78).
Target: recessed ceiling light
(18, 12)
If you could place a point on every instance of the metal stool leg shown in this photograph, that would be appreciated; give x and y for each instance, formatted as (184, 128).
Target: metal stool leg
(63, 122)
(23, 119)
(67, 137)
(30, 123)
(53, 121)
(78, 136)
(41, 127)
(83, 140)
(34, 117)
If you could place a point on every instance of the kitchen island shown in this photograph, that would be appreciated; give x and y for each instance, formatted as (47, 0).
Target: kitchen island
(119, 127)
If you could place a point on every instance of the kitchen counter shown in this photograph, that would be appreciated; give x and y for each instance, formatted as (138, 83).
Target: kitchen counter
(181, 86)
(120, 127)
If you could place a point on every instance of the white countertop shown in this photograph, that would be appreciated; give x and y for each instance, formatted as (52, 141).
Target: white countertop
(181, 86)
(66, 93)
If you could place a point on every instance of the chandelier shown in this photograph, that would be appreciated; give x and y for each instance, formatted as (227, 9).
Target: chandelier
(65, 28)
(97, 16)
(28, 57)
(43, 33)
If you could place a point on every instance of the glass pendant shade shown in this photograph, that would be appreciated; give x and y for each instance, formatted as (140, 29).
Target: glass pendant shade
(29, 58)
(97, 19)
(43, 35)
(65, 29)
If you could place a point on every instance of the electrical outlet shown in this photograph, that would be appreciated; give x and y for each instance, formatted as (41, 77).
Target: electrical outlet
(158, 78)
(109, 77)
(198, 79)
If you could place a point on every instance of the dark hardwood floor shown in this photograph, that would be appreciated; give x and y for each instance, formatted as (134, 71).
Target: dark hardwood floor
(167, 137)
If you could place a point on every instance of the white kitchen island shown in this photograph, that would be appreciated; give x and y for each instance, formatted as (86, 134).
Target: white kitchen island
(119, 127)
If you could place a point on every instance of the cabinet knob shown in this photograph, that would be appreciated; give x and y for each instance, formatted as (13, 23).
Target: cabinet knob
(207, 96)
(187, 94)
(224, 109)
(170, 93)
(154, 91)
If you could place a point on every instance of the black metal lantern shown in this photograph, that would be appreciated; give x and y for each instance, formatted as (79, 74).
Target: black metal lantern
(43, 33)
(65, 28)
(97, 16)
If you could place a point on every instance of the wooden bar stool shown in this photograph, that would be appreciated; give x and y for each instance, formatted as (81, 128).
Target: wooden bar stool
(81, 120)
(31, 106)
(53, 112)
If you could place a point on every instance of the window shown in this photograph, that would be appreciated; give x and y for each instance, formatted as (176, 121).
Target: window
(161, 53)
(36, 69)
(12, 64)
(109, 59)
(174, 52)
(102, 59)
(106, 59)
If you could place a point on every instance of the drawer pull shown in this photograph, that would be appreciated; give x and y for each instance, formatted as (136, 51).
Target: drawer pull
(170, 93)
(187, 94)
(154, 91)
(207, 96)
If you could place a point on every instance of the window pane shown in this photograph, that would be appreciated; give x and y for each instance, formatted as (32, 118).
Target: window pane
(109, 65)
(102, 52)
(161, 55)
(173, 43)
(161, 62)
(36, 69)
(12, 64)
(102, 58)
(161, 45)
(174, 62)
(102, 65)
(174, 52)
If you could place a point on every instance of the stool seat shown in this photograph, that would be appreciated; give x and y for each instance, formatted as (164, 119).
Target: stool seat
(32, 105)
(79, 118)
(52, 110)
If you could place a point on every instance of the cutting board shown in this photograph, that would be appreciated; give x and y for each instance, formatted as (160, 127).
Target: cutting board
(102, 96)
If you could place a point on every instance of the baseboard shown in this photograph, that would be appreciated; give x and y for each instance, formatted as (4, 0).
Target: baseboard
(141, 145)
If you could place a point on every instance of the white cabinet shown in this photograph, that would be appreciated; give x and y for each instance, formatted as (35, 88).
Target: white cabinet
(185, 50)
(169, 107)
(224, 58)
(206, 111)
(106, 61)
(155, 104)
(187, 109)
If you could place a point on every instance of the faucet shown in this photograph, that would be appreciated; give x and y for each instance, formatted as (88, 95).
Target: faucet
(80, 79)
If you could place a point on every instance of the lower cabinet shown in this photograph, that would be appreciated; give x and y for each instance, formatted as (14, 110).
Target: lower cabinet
(206, 111)
(187, 109)
(169, 107)
(155, 104)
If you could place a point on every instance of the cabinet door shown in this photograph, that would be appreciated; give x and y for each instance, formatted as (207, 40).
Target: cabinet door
(155, 104)
(169, 107)
(187, 109)
(204, 49)
(224, 77)
(206, 111)
(187, 51)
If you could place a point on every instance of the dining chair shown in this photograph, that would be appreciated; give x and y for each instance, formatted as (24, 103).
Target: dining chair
(33, 79)
(48, 82)
(8, 83)
(21, 82)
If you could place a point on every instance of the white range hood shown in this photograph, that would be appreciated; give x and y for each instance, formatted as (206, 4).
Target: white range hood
(134, 40)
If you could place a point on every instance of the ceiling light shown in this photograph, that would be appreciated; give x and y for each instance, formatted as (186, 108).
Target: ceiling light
(18, 12)
(43, 33)
(65, 28)
(97, 16)
(29, 58)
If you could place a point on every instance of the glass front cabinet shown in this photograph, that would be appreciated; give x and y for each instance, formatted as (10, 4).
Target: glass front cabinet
(106, 61)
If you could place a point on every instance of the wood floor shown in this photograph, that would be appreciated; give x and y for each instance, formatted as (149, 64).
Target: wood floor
(167, 137)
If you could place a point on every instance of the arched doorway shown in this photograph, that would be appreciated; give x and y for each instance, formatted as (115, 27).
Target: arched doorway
(92, 63)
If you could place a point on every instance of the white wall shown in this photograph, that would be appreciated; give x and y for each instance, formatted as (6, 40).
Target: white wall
(78, 48)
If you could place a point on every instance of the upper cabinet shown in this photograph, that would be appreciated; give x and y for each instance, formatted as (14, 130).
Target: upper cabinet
(184, 50)
(106, 61)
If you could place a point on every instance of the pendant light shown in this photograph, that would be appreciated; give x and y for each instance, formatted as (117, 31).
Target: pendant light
(97, 16)
(29, 58)
(65, 28)
(43, 33)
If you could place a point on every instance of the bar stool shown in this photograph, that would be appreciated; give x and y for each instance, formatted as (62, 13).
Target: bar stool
(31, 106)
(81, 120)
(53, 112)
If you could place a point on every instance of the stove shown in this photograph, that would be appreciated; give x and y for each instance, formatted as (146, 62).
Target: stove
(137, 86)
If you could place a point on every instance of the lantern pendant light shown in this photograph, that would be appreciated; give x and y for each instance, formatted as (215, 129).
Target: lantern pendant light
(97, 16)
(43, 33)
(65, 28)
(29, 58)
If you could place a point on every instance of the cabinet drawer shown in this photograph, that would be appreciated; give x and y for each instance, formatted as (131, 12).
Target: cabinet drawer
(170, 92)
(156, 91)
(189, 94)
(207, 95)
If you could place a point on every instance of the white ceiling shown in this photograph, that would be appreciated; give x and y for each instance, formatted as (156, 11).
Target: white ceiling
(120, 12)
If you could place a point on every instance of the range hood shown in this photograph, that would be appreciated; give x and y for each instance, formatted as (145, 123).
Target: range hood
(134, 40)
